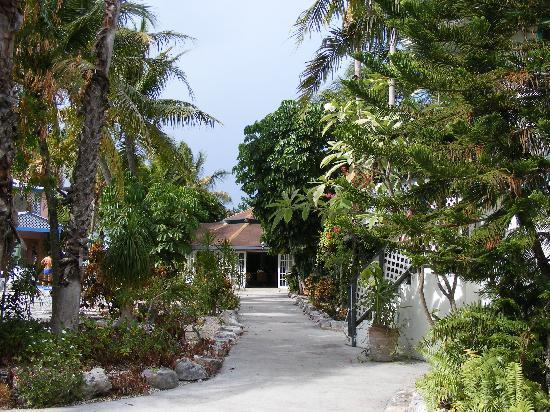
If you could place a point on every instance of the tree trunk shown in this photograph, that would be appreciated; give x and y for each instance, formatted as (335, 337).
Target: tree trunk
(393, 46)
(423, 297)
(84, 175)
(130, 148)
(10, 20)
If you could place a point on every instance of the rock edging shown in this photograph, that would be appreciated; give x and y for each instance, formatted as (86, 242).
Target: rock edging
(225, 333)
(406, 400)
(319, 317)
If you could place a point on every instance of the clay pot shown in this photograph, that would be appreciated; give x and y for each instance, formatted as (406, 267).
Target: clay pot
(382, 343)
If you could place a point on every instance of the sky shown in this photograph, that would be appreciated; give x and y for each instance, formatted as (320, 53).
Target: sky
(243, 64)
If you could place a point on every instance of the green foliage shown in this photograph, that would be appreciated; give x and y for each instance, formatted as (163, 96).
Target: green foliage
(23, 291)
(380, 295)
(148, 226)
(129, 231)
(212, 278)
(175, 212)
(454, 174)
(482, 360)
(282, 152)
(131, 344)
(54, 385)
(293, 282)
(53, 375)
(16, 335)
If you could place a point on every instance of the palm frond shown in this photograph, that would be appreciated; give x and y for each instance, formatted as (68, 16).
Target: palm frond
(334, 49)
(177, 113)
(320, 14)
(208, 182)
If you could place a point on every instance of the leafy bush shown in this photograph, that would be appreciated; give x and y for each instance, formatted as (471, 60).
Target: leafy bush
(380, 295)
(16, 335)
(23, 293)
(212, 280)
(293, 281)
(480, 360)
(128, 382)
(54, 375)
(129, 343)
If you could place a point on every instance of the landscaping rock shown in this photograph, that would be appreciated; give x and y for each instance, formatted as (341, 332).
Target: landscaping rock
(95, 383)
(338, 325)
(188, 370)
(407, 400)
(325, 324)
(161, 378)
(417, 403)
(212, 365)
(209, 326)
(220, 348)
(231, 318)
(226, 335)
(237, 330)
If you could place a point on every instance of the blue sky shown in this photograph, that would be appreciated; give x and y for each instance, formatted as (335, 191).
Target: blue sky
(242, 66)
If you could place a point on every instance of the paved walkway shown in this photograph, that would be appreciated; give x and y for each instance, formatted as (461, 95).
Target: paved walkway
(282, 363)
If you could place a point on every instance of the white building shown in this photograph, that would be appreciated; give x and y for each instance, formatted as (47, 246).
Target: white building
(259, 267)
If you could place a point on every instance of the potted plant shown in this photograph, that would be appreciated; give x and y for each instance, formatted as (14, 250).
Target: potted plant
(381, 299)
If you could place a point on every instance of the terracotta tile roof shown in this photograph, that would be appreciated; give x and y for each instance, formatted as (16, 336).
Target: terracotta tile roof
(241, 230)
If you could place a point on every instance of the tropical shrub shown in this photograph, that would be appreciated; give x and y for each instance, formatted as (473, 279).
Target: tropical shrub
(128, 382)
(280, 152)
(16, 335)
(293, 281)
(23, 291)
(380, 296)
(482, 360)
(212, 285)
(127, 344)
(53, 375)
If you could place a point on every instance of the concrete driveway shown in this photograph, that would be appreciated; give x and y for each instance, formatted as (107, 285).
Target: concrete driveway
(282, 363)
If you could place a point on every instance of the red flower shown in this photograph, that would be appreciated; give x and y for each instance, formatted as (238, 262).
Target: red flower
(336, 229)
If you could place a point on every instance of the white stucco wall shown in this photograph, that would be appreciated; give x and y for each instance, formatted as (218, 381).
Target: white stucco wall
(411, 319)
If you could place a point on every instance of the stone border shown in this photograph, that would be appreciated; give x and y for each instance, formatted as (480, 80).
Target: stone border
(406, 400)
(319, 317)
(97, 383)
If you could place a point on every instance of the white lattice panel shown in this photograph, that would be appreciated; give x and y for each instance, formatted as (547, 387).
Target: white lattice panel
(395, 264)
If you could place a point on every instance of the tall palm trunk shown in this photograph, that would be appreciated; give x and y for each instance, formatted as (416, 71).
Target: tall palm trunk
(393, 47)
(65, 315)
(10, 19)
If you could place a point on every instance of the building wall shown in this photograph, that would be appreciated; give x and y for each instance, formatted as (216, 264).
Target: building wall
(33, 248)
(411, 319)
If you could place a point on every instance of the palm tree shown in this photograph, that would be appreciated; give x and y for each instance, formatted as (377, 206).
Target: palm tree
(94, 107)
(138, 112)
(361, 28)
(185, 169)
(10, 18)
(52, 30)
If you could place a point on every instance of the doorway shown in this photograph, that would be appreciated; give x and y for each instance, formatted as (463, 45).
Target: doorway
(261, 270)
